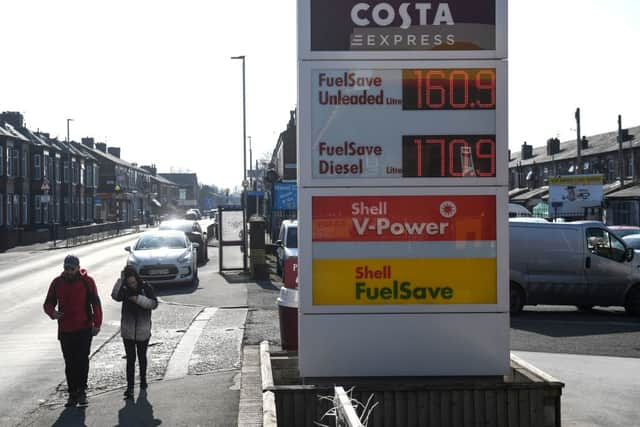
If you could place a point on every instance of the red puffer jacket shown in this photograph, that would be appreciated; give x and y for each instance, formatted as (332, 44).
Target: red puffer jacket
(77, 300)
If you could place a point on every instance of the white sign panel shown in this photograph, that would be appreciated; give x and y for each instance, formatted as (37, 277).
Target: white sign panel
(571, 194)
(409, 123)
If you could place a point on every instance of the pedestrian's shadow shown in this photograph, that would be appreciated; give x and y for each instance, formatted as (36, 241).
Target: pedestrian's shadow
(71, 417)
(138, 413)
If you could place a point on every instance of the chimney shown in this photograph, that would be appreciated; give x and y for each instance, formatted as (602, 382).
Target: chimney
(14, 118)
(101, 146)
(584, 142)
(553, 146)
(527, 151)
(152, 169)
(114, 151)
(88, 142)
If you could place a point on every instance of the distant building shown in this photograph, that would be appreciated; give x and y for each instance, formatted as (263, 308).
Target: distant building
(188, 190)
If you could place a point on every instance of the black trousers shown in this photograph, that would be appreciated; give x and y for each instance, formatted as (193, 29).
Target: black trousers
(76, 347)
(130, 348)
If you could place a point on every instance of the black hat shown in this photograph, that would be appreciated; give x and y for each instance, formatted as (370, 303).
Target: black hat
(71, 261)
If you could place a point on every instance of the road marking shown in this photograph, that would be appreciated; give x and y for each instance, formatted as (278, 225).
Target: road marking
(178, 366)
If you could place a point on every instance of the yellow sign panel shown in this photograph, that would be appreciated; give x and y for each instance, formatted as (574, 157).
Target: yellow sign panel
(404, 281)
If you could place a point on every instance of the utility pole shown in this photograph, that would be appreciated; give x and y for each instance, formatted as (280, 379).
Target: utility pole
(578, 141)
(620, 158)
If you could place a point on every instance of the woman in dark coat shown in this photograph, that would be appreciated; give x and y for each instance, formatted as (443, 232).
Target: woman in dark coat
(138, 299)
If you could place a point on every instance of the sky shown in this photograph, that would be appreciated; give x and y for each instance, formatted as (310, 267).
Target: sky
(155, 78)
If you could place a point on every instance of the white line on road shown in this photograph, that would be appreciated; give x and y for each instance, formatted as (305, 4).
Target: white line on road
(178, 366)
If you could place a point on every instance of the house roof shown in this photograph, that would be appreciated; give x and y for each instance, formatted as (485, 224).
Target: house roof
(163, 180)
(597, 144)
(9, 131)
(626, 193)
(182, 179)
(539, 192)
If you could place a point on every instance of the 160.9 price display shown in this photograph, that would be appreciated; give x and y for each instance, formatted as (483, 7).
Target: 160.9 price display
(448, 156)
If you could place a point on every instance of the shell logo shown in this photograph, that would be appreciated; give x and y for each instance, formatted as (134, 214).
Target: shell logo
(448, 209)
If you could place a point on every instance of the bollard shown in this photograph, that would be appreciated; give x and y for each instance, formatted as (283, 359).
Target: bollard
(257, 258)
(288, 314)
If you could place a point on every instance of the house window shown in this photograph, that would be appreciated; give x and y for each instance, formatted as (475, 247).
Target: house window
(58, 171)
(82, 213)
(37, 205)
(630, 166)
(67, 178)
(67, 210)
(9, 209)
(74, 171)
(37, 166)
(50, 167)
(25, 158)
(45, 165)
(12, 162)
(25, 209)
(57, 211)
(81, 173)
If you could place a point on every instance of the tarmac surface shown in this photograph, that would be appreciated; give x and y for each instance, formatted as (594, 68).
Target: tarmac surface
(599, 390)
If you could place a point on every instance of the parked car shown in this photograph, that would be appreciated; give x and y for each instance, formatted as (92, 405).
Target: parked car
(194, 214)
(624, 230)
(193, 231)
(579, 263)
(287, 252)
(164, 256)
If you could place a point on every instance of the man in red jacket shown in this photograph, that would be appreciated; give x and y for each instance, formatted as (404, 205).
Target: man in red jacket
(79, 317)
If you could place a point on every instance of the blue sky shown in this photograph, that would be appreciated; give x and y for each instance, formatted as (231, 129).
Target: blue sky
(155, 78)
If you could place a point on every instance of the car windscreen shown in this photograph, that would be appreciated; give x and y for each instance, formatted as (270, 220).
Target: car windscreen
(292, 238)
(632, 241)
(156, 242)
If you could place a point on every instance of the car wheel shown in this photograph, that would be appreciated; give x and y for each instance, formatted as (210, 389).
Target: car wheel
(516, 299)
(632, 305)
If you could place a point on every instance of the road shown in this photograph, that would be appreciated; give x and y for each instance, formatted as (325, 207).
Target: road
(32, 364)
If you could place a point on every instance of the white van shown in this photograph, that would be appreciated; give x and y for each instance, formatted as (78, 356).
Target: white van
(576, 263)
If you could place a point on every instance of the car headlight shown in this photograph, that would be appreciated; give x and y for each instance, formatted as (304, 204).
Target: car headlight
(185, 258)
(133, 261)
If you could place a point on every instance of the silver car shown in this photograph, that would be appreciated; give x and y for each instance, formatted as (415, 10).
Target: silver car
(164, 256)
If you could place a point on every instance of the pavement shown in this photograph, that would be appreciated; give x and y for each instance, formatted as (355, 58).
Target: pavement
(189, 389)
(195, 368)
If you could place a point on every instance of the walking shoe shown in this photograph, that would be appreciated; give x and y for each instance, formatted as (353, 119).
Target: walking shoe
(143, 385)
(71, 400)
(128, 393)
(82, 400)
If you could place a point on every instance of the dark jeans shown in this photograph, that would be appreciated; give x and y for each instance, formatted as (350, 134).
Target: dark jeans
(76, 347)
(130, 348)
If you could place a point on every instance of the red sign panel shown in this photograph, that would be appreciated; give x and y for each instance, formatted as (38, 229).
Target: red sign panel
(403, 218)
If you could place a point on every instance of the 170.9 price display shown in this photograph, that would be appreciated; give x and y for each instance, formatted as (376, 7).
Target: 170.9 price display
(448, 156)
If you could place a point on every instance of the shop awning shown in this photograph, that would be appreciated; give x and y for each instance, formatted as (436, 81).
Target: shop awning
(156, 202)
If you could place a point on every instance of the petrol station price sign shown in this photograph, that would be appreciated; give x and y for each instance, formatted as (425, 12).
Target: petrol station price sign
(410, 123)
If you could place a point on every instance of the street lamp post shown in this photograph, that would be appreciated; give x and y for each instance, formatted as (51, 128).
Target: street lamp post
(244, 164)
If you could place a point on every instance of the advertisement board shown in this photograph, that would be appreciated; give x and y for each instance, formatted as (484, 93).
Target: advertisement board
(394, 29)
(571, 194)
(433, 250)
(285, 196)
(392, 123)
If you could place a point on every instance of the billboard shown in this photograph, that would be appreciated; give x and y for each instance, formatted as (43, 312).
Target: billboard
(285, 196)
(569, 195)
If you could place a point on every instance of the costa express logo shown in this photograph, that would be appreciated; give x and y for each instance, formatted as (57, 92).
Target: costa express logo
(401, 25)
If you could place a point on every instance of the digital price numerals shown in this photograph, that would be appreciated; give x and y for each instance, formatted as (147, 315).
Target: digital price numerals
(448, 156)
(449, 89)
